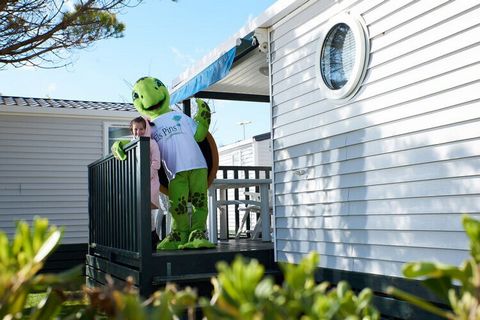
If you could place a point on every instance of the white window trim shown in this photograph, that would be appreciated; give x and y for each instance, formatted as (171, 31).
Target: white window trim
(362, 47)
(106, 125)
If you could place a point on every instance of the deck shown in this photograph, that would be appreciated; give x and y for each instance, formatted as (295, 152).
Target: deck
(184, 267)
(119, 230)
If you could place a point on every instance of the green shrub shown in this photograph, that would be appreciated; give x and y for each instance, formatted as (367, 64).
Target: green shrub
(458, 287)
(20, 262)
(241, 290)
(24, 257)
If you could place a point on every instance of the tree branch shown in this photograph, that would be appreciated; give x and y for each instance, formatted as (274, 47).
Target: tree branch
(31, 29)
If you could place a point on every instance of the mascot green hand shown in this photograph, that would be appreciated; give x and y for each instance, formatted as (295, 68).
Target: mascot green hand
(185, 166)
(118, 149)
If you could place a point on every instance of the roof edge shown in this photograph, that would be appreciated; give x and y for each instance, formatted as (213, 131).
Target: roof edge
(270, 16)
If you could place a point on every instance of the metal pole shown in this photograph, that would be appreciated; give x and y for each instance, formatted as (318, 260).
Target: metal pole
(243, 124)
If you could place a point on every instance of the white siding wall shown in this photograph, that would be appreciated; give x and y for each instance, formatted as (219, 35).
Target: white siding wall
(246, 153)
(384, 178)
(263, 152)
(237, 154)
(43, 171)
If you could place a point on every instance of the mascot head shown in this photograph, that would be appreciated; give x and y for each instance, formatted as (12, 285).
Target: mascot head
(150, 97)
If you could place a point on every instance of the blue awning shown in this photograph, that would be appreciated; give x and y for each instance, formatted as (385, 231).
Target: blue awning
(213, 73)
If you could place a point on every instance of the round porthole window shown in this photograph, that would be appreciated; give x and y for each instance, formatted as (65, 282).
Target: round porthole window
(342, 57)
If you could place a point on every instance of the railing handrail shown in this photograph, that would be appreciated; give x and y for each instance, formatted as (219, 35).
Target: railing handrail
(239, 183)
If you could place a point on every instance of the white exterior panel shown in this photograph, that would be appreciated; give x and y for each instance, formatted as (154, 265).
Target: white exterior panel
(44, 169)
(383, 178)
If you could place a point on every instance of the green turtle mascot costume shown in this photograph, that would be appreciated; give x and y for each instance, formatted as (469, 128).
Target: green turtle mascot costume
(177, 136)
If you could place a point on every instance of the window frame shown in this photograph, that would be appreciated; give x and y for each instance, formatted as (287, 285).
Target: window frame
(106, 126)
(362, 48)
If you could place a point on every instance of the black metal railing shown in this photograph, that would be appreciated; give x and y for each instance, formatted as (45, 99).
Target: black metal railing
(119, 208)
(119, 191)
(120, 218)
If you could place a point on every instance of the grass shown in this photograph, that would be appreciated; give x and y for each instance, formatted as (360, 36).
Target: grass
(68, 307)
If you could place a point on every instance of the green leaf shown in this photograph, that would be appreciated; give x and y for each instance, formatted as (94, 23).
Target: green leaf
(48, 246)
(342, 289)
(240, 280)
(265, 288)
(40, 227)
(431, 269)
(472, 229)
(419, 302)
(364, 299)
(17, 239)
(439, 286)
(16, 299)
(23, 242)
(49, 307)
(6, 257)
(70, 279)
(133, 308)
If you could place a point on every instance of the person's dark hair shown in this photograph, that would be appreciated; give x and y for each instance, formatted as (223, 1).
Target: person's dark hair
(137, 120)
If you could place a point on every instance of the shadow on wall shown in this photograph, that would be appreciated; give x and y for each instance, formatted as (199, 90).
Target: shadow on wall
(375, 197)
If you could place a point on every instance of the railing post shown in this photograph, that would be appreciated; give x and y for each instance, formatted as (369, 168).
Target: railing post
(212, 217)
(265, 212)
(143, 215)
(223, 217)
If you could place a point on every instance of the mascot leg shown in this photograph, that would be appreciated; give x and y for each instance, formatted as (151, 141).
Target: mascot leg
(178, 189)
(198, 184)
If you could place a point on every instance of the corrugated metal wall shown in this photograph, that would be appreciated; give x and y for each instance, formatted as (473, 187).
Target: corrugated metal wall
(43, 171)
(381, 179)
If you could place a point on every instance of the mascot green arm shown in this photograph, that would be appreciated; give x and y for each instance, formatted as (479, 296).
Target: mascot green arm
(117, 149)
(202, 118)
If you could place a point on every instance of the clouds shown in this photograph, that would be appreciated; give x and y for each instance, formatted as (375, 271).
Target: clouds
(182, 59)
(163, 39)
(51, 88)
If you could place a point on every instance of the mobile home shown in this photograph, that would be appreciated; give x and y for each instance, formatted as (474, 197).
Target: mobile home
(375, 123)
(46, 145)
(255, 151)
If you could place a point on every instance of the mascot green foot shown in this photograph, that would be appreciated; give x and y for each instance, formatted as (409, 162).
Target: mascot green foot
(197, 240)
(173, 241)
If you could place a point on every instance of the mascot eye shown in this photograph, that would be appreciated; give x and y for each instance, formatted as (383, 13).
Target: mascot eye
(159, 83)
(135, 96)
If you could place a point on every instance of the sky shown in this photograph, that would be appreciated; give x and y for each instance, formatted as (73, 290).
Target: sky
(162, 39)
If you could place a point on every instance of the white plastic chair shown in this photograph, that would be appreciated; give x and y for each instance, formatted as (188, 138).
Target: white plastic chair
(253, 207)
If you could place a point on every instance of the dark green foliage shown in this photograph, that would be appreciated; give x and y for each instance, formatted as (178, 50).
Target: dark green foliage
(20, 262)
(241, 291)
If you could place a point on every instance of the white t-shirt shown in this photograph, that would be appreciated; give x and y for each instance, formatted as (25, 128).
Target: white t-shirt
(174, 133)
